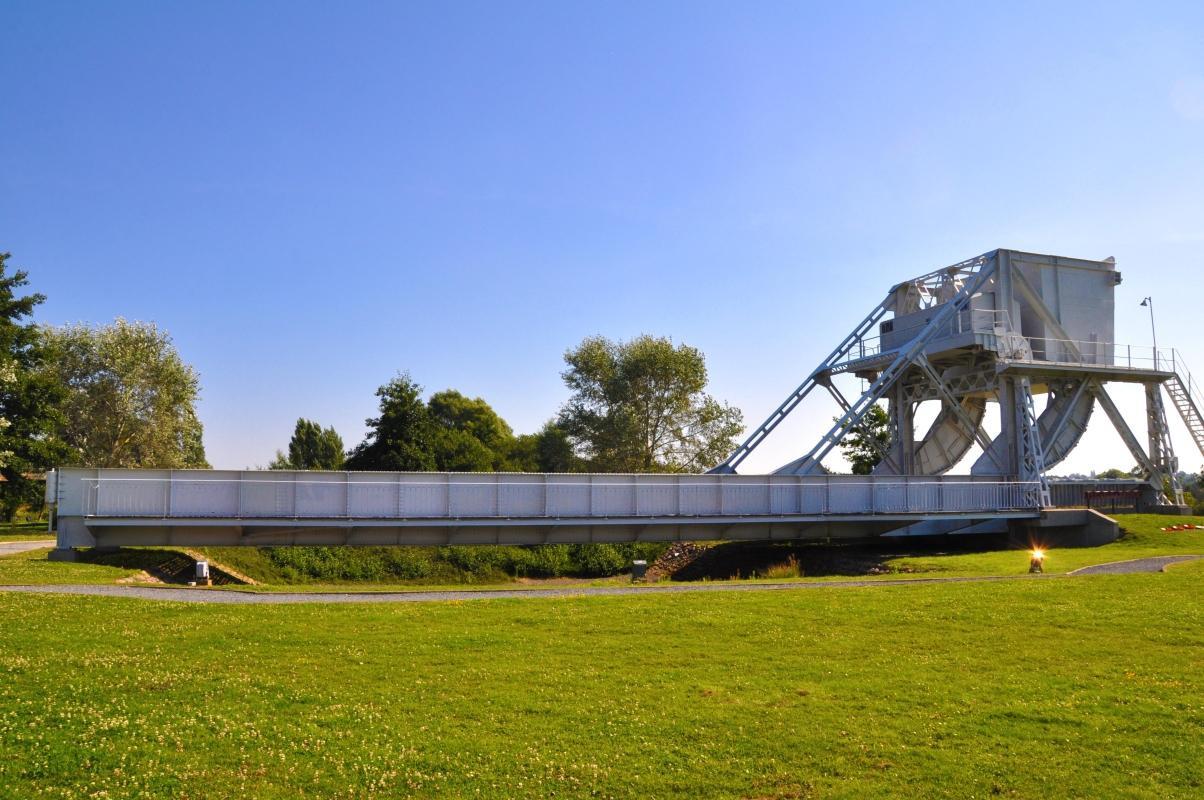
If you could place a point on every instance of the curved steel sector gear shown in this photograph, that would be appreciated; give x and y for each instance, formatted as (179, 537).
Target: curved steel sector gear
(1062, 424)
(946, 442)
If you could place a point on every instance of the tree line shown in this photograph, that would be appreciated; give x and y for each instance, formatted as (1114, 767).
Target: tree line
(120, 395)
(116, 395)
(634, 406)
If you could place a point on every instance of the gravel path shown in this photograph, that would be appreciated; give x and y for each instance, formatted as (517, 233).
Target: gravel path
(1156, 564)
(9, 548)
(228, 597)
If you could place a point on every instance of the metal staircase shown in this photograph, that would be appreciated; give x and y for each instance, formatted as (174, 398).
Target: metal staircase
(1186, 397)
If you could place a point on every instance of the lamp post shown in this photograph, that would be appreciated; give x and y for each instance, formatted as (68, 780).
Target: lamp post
(1149, 302)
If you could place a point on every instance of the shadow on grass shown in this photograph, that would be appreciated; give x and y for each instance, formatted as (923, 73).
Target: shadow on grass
(168, 566)
(735, 560)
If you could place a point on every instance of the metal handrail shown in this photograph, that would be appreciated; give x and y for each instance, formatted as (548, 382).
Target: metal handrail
(1067, 351)
(110, 497)
(962, 322)
(1179, 367)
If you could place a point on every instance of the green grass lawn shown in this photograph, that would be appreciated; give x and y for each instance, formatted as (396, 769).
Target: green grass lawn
(1143, 537)
(1080, 687)
(33, 567)
(25, 531)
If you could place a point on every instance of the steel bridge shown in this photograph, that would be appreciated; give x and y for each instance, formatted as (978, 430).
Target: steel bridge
(202, 507)
(1000, 329)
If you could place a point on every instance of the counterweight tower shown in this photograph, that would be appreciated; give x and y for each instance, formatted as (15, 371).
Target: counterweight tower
(1000, 328)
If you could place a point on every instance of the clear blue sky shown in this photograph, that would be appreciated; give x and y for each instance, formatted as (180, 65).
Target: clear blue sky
(313, 196)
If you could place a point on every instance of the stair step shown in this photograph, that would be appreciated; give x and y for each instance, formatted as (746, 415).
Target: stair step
(1185, 403)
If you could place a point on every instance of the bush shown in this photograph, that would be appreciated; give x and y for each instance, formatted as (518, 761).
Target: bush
(463, 564)
(599, 560)
(351, 563)
(543, 561)
(787, 569)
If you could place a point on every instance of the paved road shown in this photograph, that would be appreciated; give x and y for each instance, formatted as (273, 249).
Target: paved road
(8, 548)
(1156, 564)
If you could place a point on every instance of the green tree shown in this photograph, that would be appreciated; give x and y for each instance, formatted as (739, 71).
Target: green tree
(402, 437)
(29, 397)
(863, 445)
(550, 450)
(640, 406)
(130, 399)
(8, 380)
(469, 434)
(312, 447)
(451, 432)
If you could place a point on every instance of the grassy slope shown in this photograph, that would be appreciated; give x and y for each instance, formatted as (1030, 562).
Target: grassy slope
(25, 531)
(1084, 687)
(33, 567)
(1142, 537)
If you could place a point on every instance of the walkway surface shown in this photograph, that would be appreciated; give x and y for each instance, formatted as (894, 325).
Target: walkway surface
(1155, 564)
(238, 597)
(9, 548)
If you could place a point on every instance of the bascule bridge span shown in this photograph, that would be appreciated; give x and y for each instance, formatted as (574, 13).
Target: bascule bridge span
(997, 331)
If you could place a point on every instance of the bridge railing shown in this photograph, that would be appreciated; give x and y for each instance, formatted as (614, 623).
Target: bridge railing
(1014, 346)
(299, 495)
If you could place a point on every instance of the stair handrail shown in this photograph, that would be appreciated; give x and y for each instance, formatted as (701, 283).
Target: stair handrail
(1185, 377)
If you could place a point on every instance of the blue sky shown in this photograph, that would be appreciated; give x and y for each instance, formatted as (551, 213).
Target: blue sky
(311, 197)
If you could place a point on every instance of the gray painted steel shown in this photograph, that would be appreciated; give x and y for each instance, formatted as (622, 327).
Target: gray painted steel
(127, 507)
(999, 328)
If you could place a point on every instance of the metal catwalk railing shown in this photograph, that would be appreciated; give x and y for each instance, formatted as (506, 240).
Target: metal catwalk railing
(450, 496)
(1186, 396)
(1017, 347)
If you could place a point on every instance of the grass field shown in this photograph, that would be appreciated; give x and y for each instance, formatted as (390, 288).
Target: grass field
(24, 531)
(1143, 537)
(1079, 687)
(34, 567)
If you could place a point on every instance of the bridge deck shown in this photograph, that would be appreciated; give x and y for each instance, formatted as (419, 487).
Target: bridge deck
(102, 507)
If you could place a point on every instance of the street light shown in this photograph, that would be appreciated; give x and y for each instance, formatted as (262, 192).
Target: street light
(1036, 560)
(1149, 302)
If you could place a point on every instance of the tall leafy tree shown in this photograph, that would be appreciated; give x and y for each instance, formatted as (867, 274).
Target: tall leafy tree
(469, 434)
(451, 432)
(29, 397)
(865, 443)
(402, 437)
(8, 379)
(641, 406)
(312, 447)
(130, 398)
(550, 450)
